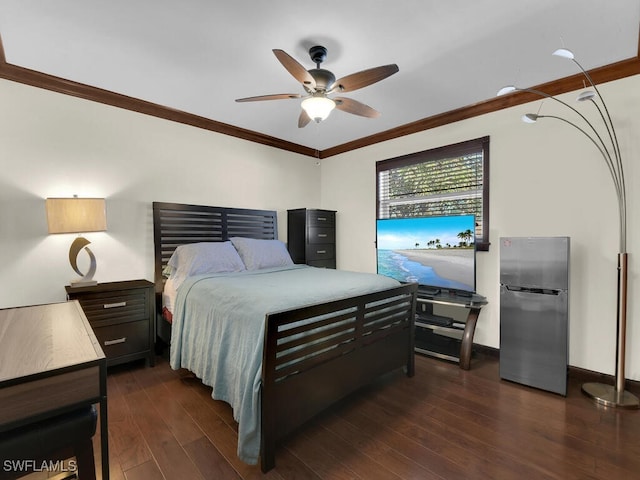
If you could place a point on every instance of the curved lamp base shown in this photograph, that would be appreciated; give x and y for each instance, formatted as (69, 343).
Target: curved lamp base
(80, 282)
(79, 244)
(609, 397)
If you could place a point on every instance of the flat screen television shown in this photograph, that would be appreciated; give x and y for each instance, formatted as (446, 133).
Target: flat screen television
(436, 252)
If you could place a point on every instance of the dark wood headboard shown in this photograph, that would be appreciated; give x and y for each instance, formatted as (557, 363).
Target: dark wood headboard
(176, 224)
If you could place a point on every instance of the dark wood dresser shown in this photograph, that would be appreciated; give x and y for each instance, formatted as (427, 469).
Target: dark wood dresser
(311, 237)
(122, 317)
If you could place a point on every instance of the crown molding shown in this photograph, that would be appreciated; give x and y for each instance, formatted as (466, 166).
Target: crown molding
(87, 92)
(615, 71)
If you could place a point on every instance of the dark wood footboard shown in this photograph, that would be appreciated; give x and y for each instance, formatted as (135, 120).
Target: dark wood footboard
(316, 355)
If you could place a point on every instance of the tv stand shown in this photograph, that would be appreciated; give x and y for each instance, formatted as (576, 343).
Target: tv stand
(445, 337)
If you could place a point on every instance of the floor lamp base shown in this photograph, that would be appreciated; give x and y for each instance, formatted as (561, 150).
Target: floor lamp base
(609, 397)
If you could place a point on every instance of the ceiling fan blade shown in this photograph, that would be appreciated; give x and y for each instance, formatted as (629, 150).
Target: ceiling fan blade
(294, 68)
(303, 119)
(364, 78)
(277, 96)
(357, 108)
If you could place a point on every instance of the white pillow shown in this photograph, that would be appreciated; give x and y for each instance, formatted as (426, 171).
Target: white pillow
(257, 254)
(205, 257)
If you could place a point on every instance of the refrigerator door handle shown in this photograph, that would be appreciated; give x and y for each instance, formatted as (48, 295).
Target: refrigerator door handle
(540, 291)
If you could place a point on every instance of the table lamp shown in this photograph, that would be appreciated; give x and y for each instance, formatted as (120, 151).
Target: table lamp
(78, 215)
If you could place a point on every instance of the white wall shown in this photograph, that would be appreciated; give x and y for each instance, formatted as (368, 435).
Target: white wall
(546, 180)
(56, 145)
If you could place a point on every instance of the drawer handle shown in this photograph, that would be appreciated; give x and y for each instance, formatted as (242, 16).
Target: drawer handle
(115, 305)
(322, 235)
(321, 251)
(115, 342)
(322, 219)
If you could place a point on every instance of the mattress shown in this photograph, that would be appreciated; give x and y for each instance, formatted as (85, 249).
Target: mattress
(169, 294)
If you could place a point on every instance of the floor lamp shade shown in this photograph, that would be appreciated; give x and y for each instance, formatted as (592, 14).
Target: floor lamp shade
(78, 215)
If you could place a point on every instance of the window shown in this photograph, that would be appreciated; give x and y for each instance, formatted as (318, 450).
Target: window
(451, 180)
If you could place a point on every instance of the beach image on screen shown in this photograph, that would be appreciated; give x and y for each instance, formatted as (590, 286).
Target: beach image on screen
(434, 251)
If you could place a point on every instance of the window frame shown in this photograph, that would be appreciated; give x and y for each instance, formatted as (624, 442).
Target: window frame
(444, 152)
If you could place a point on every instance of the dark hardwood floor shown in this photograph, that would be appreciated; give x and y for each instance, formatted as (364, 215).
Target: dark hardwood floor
(445, 423)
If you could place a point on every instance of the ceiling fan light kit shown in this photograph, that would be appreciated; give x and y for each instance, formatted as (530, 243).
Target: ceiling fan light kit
(318, 107)
(319, 83)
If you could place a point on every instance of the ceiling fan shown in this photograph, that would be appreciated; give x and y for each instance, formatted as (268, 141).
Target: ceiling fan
(320, 83)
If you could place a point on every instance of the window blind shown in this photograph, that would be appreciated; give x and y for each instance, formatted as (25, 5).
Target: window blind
(450, 180)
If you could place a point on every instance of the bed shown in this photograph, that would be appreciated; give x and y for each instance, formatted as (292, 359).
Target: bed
(279, 344)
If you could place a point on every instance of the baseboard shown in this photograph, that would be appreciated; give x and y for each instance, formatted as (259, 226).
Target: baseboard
(574, 372)
(487, 351)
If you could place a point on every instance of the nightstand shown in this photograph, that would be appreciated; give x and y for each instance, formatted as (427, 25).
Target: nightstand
(122, 316)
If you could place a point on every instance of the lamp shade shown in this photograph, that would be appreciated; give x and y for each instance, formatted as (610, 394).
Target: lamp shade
(76, 215)
(564, 53)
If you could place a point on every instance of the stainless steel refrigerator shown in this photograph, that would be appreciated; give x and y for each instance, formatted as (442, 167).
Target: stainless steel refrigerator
(534, 311)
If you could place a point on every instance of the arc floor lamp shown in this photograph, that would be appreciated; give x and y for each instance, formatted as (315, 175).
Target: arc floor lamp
(606, 141)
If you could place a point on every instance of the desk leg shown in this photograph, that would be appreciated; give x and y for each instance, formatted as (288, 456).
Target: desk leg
(104, 426)
(467, 338)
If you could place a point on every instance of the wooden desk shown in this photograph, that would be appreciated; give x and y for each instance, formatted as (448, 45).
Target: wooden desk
(50, 363)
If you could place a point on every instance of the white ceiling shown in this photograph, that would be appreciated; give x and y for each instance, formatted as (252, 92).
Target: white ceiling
(198, 56)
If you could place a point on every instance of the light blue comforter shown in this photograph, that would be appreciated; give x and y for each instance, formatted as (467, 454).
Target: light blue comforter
(218, 329)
